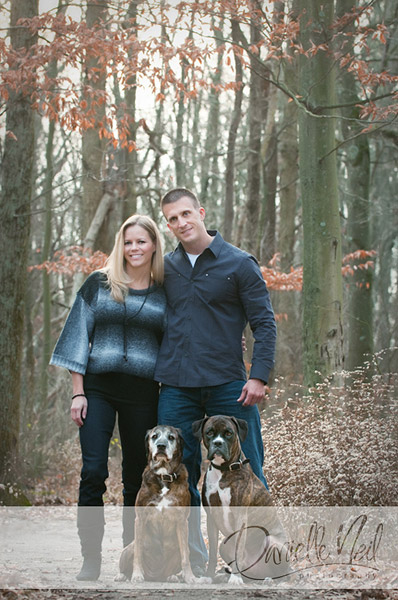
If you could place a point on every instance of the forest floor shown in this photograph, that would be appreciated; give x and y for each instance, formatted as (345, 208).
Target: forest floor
(40, 557)
(323, 470)
(199, 594)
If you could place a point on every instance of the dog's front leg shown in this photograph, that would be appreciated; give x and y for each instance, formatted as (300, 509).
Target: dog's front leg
(138, 572)
(126, 562)
(212, 534)
(182, 537)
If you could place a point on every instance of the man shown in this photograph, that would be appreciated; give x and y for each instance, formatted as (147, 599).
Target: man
(213, 289)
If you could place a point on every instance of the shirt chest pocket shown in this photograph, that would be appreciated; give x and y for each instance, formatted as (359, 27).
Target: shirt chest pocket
(217, 289)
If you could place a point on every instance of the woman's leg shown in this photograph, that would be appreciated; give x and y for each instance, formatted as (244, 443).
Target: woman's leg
(134, 419)
(95, 437)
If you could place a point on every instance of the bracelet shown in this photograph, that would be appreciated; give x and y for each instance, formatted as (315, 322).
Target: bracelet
(76, 395)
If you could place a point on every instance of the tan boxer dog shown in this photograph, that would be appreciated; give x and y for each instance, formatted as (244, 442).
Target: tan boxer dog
(238, 504)
(160, 551)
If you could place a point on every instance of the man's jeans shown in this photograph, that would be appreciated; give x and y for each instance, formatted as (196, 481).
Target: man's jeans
(180, 407)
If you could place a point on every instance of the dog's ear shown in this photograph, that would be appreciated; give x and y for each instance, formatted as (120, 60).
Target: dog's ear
(147, 442)
(242, 428)
(197, 427)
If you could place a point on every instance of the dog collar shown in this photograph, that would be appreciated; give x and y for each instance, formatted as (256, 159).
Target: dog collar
(168, 477)
(235, 466)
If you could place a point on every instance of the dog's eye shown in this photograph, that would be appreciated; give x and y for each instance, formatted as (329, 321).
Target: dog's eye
(171, 437)
(155, 436)
(228, 433)
(210, 433)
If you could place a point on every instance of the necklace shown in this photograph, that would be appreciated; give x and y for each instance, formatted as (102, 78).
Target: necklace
(126, 319)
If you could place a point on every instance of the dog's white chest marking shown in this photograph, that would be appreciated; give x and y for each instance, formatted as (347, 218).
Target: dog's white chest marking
(164, 502)
(213, 487)
(213, 478)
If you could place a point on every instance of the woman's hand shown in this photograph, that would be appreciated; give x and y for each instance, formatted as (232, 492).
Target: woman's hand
(78, 410)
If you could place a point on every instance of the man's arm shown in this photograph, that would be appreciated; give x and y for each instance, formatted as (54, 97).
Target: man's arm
(259, 312)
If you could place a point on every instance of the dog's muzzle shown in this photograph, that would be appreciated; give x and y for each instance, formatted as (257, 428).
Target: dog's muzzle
(219, 447)
(161, 451)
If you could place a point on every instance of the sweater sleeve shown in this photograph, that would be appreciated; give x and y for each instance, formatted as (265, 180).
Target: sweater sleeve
(73, 346)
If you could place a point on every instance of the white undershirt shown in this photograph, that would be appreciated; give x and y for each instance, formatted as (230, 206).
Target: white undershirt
(193, 258)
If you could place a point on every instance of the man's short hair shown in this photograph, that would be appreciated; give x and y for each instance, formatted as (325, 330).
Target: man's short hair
(177, 194)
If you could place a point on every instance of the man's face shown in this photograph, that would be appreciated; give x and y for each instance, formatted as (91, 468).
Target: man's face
(185, 220)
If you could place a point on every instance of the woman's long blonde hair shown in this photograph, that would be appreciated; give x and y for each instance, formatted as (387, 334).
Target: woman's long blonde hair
(115, 266)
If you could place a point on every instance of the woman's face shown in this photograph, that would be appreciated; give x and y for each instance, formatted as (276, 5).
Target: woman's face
(138, 249)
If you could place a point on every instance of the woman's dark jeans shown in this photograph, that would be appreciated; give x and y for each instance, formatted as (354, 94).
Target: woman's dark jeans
(135, 417)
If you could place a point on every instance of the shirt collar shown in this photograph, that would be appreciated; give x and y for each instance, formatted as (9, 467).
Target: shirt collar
(215, 244)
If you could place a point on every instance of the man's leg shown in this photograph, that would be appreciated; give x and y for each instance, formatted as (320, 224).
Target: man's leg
(180, 407)
(222, 400)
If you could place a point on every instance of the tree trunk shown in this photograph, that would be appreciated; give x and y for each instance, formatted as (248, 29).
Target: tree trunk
(179, 139)
(130, 158)
(98, 221)
(268, 213)
(233, 129)
(209, 165)
(288, 352)
(357, 163)
(258, 94)
(17, 163)
(193, 158)
(322, 278)
(45, 255)
(289, 331)
(92, 146)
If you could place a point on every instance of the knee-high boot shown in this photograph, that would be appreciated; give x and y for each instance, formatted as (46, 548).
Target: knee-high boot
(90, 526)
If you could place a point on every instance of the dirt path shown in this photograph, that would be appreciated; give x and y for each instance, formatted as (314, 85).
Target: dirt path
(40, 556)
(156, 594)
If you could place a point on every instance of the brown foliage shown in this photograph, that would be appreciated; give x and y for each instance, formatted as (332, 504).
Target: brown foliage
(79, 259)
(335, 445)
(123, 48)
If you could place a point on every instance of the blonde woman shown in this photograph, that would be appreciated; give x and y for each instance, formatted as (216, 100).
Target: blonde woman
(109, 344)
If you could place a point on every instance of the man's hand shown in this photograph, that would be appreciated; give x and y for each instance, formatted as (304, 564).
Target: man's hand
(252, 393)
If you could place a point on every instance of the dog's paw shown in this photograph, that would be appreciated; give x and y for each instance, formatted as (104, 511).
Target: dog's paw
(173, 579)
(137, 578)
(188, 577)
(235, 580)
(222, 576)
(121, 577)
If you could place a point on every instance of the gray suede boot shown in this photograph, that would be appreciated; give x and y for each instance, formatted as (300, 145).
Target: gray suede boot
(90, 526)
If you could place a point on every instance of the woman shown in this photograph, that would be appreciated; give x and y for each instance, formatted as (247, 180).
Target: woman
(109, 344)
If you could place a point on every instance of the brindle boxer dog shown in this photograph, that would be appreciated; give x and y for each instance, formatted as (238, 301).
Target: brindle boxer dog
(160, 549)
(239, 505)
